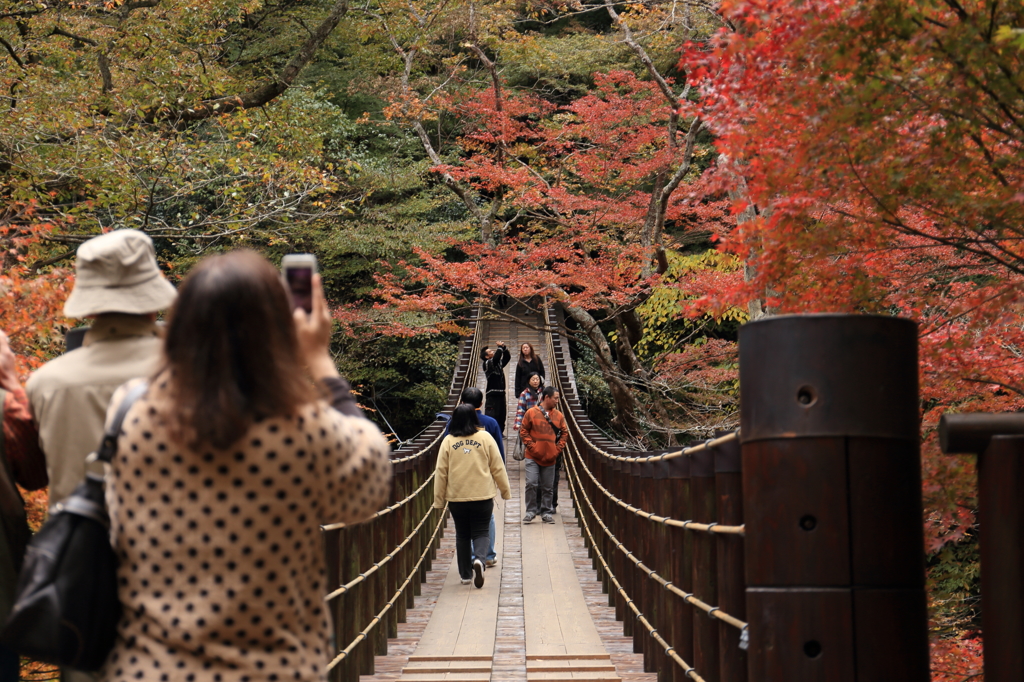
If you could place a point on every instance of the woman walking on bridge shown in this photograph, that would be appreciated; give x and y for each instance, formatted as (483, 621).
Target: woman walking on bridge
(528, 365)
(226, 468)
(494, 370)
(528, 398)
(469, 473)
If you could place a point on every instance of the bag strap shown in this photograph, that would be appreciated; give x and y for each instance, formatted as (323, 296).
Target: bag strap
(554, 429)
(108, 446)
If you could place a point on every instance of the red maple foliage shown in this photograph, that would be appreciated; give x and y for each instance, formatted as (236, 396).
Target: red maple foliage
(874, 150)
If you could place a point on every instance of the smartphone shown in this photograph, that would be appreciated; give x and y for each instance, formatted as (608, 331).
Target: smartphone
(297, 270)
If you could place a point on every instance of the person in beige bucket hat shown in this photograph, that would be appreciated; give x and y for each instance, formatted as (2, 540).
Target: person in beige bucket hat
(117, 273)
(119, 286)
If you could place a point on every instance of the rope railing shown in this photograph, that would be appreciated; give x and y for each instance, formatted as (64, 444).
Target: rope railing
(669, 650)
(373, 566)
(383, 562)
(709, 444)
(823, 490)
(386, 510)
(712, 611)
(365, 632)
(681, 513)
(687, 525)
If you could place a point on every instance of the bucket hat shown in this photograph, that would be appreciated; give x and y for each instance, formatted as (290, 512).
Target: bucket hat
(117, 273)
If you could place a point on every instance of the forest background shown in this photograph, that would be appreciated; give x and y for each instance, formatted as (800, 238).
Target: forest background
(666, 170)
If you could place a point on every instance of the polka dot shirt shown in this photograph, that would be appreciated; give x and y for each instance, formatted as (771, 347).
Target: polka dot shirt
(222, 574)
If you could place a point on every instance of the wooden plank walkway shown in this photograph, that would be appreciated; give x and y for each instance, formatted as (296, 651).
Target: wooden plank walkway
(541, 617)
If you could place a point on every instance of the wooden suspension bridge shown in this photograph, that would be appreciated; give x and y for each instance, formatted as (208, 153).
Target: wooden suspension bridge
(789, 550)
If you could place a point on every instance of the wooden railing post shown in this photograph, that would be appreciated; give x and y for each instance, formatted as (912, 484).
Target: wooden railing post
(681, 550)
(999, 441)
(705, 572)
(731, 589)
(832, 497)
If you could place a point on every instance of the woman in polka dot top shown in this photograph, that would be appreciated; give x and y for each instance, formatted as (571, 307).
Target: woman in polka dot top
(225, 470)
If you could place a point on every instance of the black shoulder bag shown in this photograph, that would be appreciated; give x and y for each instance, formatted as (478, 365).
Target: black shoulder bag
(66, 608)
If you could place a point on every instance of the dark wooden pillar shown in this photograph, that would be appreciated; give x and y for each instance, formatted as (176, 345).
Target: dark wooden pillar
(832, 499)
(999, 441)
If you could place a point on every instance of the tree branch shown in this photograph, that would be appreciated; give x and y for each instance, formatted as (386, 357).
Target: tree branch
(58, 31)
(269, 90)
(10, 51)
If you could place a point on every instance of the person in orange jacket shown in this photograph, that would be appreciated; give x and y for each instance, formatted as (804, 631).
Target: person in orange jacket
(544, 434)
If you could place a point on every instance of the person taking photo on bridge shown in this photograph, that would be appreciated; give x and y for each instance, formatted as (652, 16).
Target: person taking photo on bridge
(494, 370)
(544, 435)
(227, 467)
(475, 397)
(468, 474)
(527, 365)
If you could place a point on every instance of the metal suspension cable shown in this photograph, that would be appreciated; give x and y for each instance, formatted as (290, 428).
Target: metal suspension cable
(394, 599)
(709, 444)
(712, 611)
(474, 358)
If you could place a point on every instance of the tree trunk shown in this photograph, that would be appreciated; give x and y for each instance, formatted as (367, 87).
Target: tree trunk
(625, 403)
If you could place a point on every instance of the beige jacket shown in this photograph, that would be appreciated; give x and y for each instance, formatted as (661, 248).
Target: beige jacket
(69, 394)
(468, 467)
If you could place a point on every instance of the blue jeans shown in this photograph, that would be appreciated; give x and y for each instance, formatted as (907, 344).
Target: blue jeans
(491, 554)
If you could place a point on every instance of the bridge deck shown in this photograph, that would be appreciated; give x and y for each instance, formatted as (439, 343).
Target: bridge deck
(541, 615)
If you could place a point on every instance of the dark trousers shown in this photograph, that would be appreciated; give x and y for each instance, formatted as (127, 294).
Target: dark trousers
(472, 523)
(9, 665)
(554, 487)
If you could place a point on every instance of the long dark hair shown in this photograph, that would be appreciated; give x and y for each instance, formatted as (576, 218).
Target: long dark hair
(231, 351)
(533, 353)
(464, 421)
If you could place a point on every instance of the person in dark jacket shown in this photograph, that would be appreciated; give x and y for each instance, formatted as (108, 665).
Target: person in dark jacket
(494, 369)
(528, 364)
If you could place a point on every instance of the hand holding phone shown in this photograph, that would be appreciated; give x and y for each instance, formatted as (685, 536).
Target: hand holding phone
(297, 270)
(313, 332)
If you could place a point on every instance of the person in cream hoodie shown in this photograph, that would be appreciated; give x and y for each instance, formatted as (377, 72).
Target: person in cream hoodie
(468, 475)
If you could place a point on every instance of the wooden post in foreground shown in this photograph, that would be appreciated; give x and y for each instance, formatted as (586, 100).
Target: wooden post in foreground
(832, 499)
(998, 439)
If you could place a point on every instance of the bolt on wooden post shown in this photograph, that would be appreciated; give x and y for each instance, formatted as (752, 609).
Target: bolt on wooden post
(829, 431)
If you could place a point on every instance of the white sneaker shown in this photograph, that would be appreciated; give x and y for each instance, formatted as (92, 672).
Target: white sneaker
(478, 569)
(466, 581)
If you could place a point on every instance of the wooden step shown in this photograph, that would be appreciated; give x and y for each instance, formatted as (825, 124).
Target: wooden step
(567, 676)
(419, 659)
(447, 669)
(582, 667)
